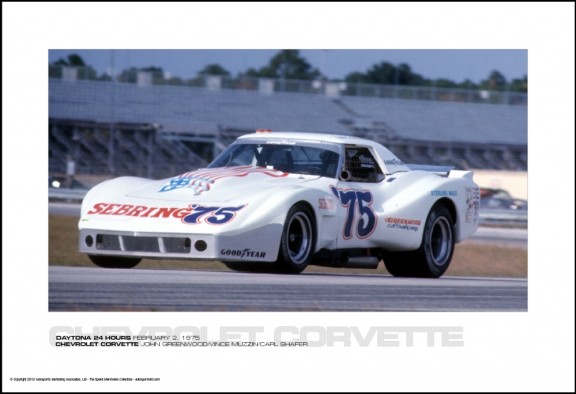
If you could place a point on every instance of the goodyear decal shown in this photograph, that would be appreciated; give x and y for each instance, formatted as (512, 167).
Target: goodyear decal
(246, 253)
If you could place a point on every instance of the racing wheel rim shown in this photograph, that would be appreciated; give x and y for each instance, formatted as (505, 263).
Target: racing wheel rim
(299, 238)
(441, 241)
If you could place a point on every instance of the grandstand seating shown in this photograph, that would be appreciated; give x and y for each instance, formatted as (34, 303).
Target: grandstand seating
(159, 131)
(446, 121)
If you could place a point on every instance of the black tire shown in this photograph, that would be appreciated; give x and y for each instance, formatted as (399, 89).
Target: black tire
(400, 263)
(298, 240)
(115, 261)
(433, 257)
(235, 266)
(242, 266)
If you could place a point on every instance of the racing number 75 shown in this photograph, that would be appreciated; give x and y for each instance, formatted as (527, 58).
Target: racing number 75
(212, 215)
(356, 201)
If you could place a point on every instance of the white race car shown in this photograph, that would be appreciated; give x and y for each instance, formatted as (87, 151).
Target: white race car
(282, 201)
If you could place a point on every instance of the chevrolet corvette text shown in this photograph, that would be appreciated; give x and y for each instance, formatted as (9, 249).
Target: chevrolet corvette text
(283, 201)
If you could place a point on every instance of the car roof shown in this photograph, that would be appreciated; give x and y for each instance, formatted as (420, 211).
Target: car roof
(388, 160)
(317, 137)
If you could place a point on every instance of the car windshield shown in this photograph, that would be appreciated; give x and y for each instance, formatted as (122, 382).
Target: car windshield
(292, 157)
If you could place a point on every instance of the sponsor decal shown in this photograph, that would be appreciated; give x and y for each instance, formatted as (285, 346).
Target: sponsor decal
(192, 214)
(403, 224)
(360, 217)
(246, 253)
(142, 211)
(393, 162)
(472, 204)
(326, 203)
(443, 193)
(202, 180)
(281, 142)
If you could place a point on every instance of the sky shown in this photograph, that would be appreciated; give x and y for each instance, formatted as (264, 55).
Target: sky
(453, 64)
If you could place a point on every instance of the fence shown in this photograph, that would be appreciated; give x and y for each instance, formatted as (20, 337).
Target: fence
(323, 87)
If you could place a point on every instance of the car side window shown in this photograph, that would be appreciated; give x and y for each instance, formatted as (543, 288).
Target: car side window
(360, 166)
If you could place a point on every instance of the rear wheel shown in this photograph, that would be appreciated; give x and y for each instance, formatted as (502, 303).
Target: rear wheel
(115, 261)
(433, 257)
(297, 241)
(400, 263)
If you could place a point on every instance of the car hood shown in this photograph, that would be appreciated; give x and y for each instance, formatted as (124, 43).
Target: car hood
(218, 185)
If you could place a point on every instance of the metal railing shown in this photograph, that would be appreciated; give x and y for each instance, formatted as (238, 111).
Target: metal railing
(76, 195)
(504, 217)
(331, 89)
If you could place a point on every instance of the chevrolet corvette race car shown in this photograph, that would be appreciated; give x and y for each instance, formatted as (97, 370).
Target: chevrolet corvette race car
(283, 201)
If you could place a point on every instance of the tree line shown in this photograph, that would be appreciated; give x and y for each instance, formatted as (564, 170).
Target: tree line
(290, 64)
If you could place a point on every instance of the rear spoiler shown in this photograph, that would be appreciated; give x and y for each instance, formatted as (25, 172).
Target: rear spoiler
(440, 170)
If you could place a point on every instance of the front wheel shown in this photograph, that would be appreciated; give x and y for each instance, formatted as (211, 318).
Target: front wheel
(114, 261)
(433, 257)
(254, 267)
(297, 241)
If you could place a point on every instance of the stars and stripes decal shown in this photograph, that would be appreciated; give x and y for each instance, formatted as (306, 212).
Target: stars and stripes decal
(202, 180)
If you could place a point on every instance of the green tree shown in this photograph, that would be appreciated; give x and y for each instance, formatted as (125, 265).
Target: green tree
(405, 76)
(495, 81)
(73, 60)
(519, 84)
(445, 83)
(468, 84)
(386, 73)
(214, 69)
(287, 64)
(251, 72)
(356, 77)
(383, 73)
(76, 60)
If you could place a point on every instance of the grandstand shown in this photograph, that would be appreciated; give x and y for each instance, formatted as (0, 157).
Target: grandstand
(160, 130)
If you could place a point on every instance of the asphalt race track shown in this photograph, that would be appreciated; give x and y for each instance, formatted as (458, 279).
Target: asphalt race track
(98, 289)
